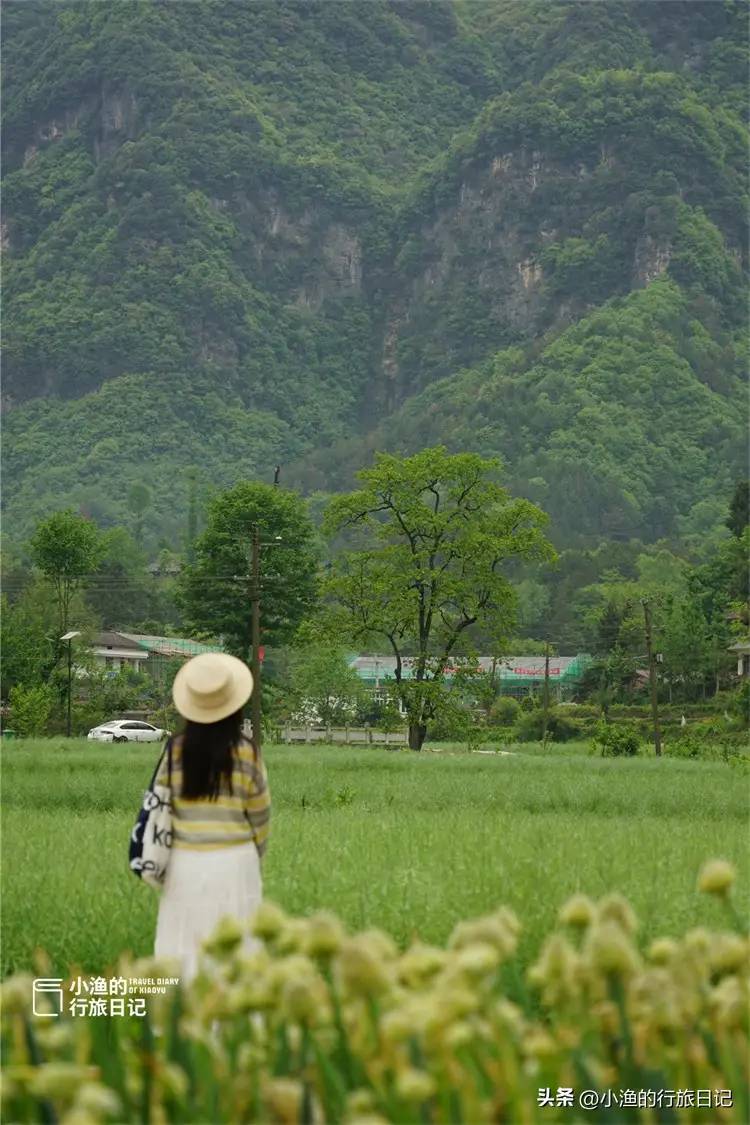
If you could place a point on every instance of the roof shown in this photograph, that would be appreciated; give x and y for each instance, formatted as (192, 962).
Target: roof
(115, 640)
(511, 669)
(740, 646)
(171, 646)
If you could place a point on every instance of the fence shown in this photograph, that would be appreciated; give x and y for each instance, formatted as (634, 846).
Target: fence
(347, 736)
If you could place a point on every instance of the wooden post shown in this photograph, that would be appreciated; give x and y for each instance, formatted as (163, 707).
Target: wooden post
(545, 695)
(70, 685)
(255, 703)
(652, 677)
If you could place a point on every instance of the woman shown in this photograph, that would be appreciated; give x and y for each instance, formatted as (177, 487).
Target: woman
(220, 809)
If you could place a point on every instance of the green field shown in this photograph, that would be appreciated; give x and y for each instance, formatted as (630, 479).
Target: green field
(410, 843)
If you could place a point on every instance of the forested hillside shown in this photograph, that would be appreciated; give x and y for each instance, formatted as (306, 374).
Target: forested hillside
(239, 235)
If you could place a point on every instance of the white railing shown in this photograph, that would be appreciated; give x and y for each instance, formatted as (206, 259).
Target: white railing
(348, 736)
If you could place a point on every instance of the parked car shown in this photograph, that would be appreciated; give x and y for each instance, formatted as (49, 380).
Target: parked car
(127, 730)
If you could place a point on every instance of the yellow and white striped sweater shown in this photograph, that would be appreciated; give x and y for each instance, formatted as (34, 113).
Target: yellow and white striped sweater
(235, 817)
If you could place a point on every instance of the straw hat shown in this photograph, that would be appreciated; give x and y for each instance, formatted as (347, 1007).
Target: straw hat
(211, 686)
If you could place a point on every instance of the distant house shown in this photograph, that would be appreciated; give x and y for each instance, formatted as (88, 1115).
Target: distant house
(516, 675)
(153, 655)
(164, 651)
(114, 651)
(742, 651)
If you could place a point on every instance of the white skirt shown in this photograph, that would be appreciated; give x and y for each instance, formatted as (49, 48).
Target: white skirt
(201, 888)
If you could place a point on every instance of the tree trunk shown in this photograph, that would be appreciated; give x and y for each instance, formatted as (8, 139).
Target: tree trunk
(417, 735)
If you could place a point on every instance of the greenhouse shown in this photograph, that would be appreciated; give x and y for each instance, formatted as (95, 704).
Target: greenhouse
(516, 675)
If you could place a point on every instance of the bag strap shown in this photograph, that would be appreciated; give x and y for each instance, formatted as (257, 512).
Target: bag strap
(168, 752)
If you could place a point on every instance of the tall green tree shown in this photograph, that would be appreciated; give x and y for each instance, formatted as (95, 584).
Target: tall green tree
(215, 591)
(320, 680)
(191, 529)
(28, 640)
(67, 549)
(739, 509)
(139, 501)
(608, 630)
(686, 642)
(121, 593)
(431, 535)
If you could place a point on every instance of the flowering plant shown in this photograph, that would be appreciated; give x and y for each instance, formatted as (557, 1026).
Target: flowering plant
(317, 1025)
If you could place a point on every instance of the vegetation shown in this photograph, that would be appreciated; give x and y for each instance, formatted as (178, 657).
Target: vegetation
(432, 537)
(216, 590)
(245, 236)
(370, 835)
(591, 601)
(617, 742)
(612, 404)
(339, 1026)
(321, 687)
(66, 548)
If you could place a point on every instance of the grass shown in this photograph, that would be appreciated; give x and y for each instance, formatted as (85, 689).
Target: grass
(409, 843)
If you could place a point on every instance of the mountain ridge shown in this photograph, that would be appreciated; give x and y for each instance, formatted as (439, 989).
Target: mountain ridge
(264, 262)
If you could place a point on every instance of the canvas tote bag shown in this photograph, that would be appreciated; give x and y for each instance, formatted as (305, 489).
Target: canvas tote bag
(151, 838)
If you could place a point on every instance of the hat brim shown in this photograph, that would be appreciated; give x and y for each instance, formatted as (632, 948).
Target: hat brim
(241, 690)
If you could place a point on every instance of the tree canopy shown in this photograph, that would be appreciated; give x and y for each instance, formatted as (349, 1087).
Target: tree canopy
(432, 535)
(215, 590)
(66, 548)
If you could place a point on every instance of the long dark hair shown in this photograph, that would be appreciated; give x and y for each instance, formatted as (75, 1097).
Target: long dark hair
(208, 756)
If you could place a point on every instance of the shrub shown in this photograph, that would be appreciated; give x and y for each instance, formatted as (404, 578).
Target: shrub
(739, 706)
(703, 745)
(528, 703)
(30, 708)
(560, 727)
(617, 741)
(583, 711)
(504, 711)
(389, 718)
(689, 746)
(454, 722)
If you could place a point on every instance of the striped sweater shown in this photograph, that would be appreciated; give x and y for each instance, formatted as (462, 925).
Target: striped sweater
(232, 818)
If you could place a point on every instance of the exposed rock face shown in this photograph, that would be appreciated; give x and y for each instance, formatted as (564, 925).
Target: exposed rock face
(651, 260)
(307, 254)
(343, 255)
(530, 271)
(117, 117)
(115, 113)
(57, 127)
(336, 256)
(390, 364)
(475, 259)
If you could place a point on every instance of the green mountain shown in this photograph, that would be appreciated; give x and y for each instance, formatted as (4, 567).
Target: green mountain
(246, 234)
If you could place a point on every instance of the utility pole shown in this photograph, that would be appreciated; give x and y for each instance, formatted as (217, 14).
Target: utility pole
(69, 639)
(70, 687)
(545, 695)
(255, 704)
(652, 677)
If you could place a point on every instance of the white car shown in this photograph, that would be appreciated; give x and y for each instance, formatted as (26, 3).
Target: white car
(127, 730)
